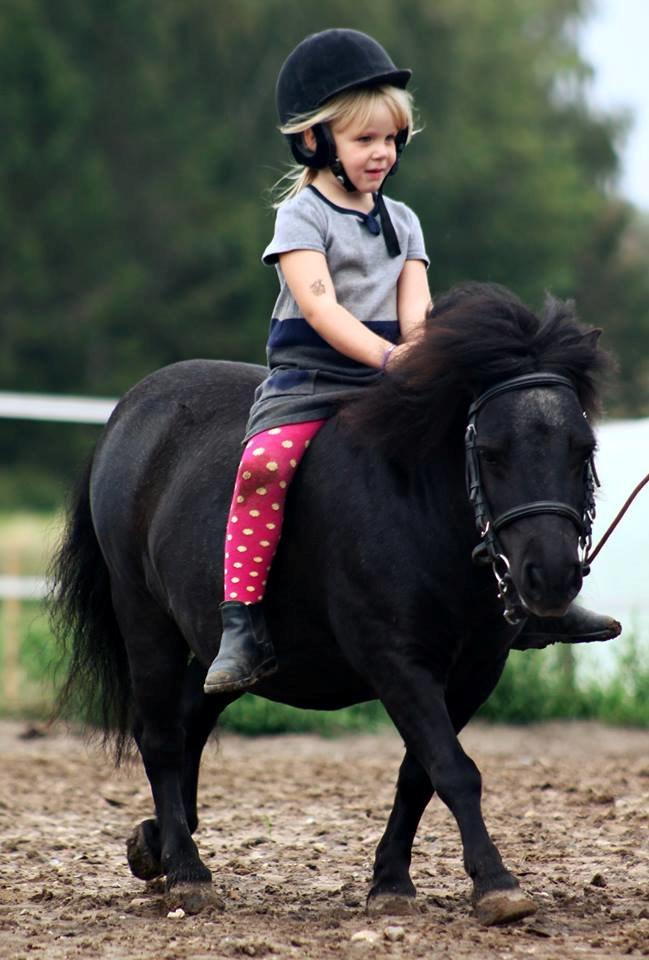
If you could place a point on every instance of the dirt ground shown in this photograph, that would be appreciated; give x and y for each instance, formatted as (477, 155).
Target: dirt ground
(289, 826)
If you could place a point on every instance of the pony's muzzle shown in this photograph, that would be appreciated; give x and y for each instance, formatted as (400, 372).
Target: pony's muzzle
(548, 591)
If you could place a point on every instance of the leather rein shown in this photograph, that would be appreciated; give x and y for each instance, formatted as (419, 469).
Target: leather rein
(489, 549)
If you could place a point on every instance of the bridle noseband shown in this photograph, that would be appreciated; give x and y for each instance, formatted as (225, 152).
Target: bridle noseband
(489, 549)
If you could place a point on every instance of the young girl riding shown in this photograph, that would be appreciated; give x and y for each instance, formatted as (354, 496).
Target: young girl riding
(353, 295)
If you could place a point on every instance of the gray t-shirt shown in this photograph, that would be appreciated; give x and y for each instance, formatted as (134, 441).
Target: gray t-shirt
(308, 377)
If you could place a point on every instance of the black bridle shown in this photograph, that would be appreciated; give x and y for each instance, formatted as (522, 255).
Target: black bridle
(489, 549)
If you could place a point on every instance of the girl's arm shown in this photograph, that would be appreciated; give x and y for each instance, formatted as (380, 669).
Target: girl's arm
(413, 303)
(413, 298)
(307, 275)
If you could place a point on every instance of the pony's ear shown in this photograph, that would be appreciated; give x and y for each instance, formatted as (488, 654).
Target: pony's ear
(591, 338)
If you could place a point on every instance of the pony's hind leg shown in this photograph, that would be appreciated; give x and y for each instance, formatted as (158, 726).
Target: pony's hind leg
(144, 850)
(200, 715)
(162, 680)
(392, 889)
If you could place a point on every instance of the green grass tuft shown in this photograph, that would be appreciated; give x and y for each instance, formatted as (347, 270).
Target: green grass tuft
(253, 715)
(540, 685)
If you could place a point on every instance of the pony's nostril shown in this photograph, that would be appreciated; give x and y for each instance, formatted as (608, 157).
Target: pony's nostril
(534, 578)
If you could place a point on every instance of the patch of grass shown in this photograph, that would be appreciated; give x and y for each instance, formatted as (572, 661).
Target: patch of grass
(27, 541)
(624, 699)
(254, 716)
(26, 661)
(542, 685)
(29, 489)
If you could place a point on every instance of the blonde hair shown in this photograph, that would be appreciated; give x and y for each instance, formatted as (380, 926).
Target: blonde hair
(353, 106)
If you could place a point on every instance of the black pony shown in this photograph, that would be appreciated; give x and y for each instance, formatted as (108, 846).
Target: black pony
(373, 593)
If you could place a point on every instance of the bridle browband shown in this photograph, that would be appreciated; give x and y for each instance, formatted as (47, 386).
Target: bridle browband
(489, 549)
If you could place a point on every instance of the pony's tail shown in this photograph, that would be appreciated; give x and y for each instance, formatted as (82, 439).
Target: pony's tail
(97, 687)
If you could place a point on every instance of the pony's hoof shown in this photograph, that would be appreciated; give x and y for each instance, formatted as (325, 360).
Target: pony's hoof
(503, 906)
(144, 865)
(392, 905)
(193, 898)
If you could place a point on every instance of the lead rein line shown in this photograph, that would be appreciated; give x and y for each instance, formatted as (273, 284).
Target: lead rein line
(591, 556)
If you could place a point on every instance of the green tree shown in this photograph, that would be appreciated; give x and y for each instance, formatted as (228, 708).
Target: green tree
(612, 290)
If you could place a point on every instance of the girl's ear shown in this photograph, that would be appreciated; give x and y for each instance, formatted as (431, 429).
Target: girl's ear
(309, 139)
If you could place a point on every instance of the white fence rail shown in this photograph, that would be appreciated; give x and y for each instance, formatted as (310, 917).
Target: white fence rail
(52, 408)
(22, 588)
(45, 406)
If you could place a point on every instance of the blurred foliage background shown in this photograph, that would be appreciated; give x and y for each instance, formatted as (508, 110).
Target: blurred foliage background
(139, 142)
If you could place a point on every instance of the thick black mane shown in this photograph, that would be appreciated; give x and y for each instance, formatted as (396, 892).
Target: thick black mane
(475, 336)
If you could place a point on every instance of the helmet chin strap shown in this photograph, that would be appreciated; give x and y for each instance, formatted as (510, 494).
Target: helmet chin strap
(389, 233)
(340, 174)
(387, 227)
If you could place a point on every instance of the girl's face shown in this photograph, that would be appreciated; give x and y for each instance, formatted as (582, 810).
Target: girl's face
(368, 152)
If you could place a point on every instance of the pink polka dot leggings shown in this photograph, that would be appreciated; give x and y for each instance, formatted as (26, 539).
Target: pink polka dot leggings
(267, 467)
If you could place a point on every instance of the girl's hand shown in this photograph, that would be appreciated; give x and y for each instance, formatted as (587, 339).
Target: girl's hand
(395, 353)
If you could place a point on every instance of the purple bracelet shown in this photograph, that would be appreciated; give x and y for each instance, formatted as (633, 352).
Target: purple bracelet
(386, 356)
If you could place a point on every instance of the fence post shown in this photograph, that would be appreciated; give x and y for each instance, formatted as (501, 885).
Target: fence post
(11, 671)
(568, 666)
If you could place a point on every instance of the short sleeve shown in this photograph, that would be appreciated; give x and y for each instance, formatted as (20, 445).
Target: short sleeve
(416, 245)
(299, 225)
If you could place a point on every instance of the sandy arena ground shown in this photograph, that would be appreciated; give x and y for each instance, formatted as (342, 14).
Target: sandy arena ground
(289, 826)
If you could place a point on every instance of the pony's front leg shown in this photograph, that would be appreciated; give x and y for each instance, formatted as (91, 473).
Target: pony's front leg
(417, 705)
(392, 889)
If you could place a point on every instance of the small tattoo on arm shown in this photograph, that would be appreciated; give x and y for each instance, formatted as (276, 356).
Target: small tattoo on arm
(318, 288)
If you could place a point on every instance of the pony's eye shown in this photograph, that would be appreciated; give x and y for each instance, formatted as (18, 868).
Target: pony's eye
(489, 457)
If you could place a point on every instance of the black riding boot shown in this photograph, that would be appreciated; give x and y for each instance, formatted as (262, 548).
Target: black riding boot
(246, 653)
(577, 625)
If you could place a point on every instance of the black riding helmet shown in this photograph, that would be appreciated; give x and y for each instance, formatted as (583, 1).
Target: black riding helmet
(328, 63)
(320, 67)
